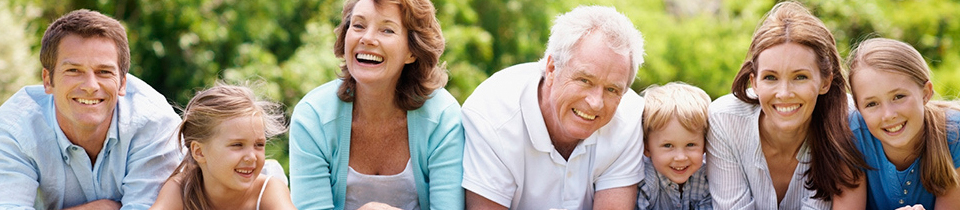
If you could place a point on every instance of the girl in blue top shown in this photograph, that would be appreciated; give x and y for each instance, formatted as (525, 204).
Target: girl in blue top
(910, 143)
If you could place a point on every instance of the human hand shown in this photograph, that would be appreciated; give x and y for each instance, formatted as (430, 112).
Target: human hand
(914, 207)
(377, 206)
(99, 204)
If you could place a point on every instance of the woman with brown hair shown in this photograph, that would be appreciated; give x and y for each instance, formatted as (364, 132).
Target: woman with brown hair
(783, 143)
(386, 133)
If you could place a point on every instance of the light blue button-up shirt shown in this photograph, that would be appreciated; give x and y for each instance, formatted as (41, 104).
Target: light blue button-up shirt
(41, 168)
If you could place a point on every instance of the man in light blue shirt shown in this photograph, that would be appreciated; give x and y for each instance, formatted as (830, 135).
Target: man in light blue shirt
(91, 137)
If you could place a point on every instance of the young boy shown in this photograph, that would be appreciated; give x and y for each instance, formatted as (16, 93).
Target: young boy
(674, 128)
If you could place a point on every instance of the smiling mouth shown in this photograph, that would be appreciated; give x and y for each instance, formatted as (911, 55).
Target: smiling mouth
(584, 115)
(896, 128)
(679, 168)
(243, 171)
(369, 58)
(787, 108)
(88, 101)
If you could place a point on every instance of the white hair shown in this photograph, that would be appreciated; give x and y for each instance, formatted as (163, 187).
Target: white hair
(618, 31)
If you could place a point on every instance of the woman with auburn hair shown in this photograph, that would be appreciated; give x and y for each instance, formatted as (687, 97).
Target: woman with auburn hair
(784, 143)
(386, 133)
(904, 136)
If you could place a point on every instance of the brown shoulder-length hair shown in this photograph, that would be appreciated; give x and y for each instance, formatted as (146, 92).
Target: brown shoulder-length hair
(936, 165)
(425, 39)
(830, 139)
(86, 24)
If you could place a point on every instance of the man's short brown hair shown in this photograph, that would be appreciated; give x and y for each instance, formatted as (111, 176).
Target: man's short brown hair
(86, 24)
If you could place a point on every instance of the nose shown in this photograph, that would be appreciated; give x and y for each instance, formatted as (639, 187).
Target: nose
(784, 89)
(681, 156)
(368, 37)
(250, 157)
(90, 84)
(888, 113)
(595, 99)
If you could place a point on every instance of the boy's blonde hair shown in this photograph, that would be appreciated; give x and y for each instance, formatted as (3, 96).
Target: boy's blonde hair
(687, 103)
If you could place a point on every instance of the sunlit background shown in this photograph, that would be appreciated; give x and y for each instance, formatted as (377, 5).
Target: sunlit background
(181, 46)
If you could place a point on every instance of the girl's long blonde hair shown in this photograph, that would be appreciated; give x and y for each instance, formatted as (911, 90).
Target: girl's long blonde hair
(936, 164)
(208, 109)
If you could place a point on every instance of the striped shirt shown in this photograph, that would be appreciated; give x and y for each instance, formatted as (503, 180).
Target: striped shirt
(658, 192)
(737, 169)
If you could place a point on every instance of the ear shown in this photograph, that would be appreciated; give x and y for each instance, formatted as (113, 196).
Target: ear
(646, 151)
(927, 92)
(550, 71)
(410, 59)
(47, 81)
(123, 85)
(196, 150)
(825, 87)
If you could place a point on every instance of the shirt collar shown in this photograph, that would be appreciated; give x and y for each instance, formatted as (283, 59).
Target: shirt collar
(532, 115)
(64, 143)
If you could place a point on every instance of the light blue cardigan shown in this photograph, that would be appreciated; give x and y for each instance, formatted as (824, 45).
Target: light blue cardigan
(320, 148)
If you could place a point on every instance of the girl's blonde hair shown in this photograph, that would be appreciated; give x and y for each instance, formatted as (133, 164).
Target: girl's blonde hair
(208, 109)
(936, 164)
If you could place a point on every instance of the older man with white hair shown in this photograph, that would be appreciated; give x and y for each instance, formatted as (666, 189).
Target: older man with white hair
(564, 132)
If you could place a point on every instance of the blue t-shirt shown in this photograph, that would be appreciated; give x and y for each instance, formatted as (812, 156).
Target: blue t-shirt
(888, 188)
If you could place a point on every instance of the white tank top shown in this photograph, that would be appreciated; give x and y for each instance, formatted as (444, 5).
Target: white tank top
(398, 190)
(264, 187)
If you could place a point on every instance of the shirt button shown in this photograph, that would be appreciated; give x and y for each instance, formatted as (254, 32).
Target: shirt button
(64, 158)
(911, 171)
(73, 148)
(908, 183)
(904, 192)
(901, 201)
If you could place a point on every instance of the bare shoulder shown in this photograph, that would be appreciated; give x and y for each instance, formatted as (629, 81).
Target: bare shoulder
(276, 195)
(170, 196)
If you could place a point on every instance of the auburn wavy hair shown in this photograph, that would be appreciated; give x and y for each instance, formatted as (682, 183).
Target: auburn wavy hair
(425, 39)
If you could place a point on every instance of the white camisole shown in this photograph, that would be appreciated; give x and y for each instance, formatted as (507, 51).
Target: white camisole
(398, 190)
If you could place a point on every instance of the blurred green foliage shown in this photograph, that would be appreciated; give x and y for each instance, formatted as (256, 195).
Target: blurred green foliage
(181, 46)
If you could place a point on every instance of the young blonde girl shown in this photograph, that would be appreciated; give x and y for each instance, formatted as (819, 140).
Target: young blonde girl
(905, 137)
(224, 130)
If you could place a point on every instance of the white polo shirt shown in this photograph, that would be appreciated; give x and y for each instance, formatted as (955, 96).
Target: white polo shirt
(509, 158)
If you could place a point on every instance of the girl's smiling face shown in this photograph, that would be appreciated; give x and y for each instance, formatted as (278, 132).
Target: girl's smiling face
(233, 157)
(892, 105)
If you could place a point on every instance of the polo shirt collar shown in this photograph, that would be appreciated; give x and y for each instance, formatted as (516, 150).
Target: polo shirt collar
(533, 117)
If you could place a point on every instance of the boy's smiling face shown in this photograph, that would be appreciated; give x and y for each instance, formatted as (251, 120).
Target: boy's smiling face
(675, 151)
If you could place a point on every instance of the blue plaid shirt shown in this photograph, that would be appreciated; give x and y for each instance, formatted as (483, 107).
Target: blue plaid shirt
(658, 192)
